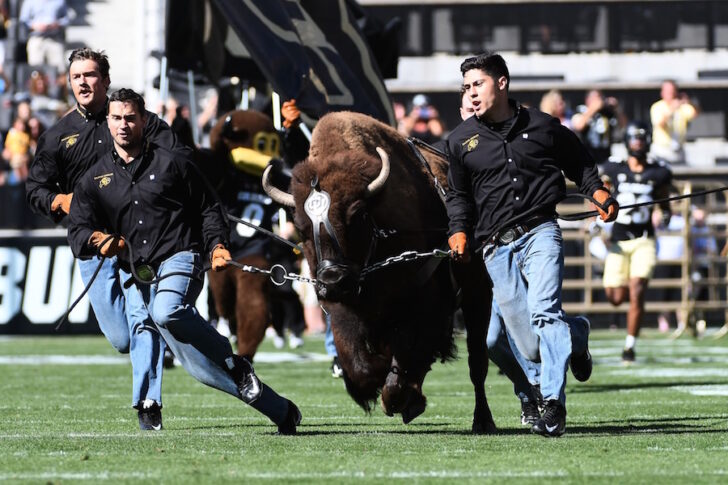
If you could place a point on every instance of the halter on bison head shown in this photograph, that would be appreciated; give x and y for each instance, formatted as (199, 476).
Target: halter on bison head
(362, 196)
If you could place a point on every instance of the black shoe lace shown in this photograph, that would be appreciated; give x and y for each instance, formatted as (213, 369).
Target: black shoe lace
(552, 412)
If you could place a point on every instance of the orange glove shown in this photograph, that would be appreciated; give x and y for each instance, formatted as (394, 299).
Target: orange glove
(601, 195)
(220, 258)
(291, 114)
(62, 202)
(458, 243)
(111, 247)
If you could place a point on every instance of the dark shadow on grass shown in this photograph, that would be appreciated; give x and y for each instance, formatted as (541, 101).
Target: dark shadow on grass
(586, 389)
(656, 427)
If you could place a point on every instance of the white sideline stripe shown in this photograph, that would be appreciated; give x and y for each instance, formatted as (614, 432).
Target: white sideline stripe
(314, 475)
(260, 357)
(709, 390)
(671, 372)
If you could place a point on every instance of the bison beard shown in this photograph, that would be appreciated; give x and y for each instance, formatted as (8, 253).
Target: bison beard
(398, 322)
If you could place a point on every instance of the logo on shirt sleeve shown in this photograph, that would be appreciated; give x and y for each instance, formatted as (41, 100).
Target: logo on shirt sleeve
(471, 143)
(104, 179)
(69, 141)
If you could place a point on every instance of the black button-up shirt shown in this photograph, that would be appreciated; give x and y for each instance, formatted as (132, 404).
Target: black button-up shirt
(495, 180)
(71, 146)
(163, 208)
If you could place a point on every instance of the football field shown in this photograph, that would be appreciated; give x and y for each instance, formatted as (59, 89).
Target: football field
(66, 418)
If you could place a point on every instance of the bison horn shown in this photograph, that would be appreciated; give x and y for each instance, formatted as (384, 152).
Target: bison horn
(377, 184)
(280, 196)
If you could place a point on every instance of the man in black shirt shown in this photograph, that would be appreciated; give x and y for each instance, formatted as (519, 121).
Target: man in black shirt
(166, 218)
(505, 179)
(65, 152)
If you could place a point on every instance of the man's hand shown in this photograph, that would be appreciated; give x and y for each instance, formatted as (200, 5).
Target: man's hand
(107, 246)
(458, 243)
(62, 202)
(220, 258)
(291, 114)
(603, 196)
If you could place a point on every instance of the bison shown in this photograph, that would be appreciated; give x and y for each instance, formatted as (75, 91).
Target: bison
(363, 196)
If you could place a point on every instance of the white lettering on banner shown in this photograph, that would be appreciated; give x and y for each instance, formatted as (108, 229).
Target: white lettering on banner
(36, 306)
(80, 313)
(313, 38)
(12, 270)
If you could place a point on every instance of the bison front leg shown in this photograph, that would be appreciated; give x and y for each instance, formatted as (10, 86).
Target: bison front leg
(476, 302)
(402, 393)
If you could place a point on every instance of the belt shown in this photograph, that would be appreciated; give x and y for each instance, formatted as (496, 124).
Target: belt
(509, 234)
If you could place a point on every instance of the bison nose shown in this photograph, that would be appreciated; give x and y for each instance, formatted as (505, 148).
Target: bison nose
(331, 273)
(335, 281)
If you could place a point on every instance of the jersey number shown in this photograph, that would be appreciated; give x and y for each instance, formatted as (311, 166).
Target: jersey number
(639, 215)
(253, 213)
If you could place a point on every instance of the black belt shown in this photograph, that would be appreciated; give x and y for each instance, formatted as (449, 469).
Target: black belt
(509, 234)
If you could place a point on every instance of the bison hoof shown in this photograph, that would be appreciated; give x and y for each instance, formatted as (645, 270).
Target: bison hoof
(415, 407)
(487, 427)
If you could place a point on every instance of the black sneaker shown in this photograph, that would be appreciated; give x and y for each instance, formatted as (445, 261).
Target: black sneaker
(150, 417)
(581, 365)
(529, 413)
(244, 376)
(293, 419)
(336, 369)
(553, 421)
(628, 356)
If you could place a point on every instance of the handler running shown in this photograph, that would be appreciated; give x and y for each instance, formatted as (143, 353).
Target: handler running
(159, 204)
(505, 179)
(65, 152)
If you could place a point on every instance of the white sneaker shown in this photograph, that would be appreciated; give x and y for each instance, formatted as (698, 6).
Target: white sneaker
(278, 342)
(295, 341)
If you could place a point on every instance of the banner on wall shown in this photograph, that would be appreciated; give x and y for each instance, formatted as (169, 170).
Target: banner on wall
(39, 279)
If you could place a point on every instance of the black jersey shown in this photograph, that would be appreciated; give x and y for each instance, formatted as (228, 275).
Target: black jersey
(246, 199)
(635, 188)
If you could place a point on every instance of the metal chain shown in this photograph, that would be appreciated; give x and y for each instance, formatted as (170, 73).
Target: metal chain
(404, 257)
(277, 273)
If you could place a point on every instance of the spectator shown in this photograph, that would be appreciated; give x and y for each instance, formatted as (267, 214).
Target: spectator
(35, 129)
(46, 21)
(598, 122)
(553, 103)
(423, 121)
(16, 151)
(670, 117)
(46, 107)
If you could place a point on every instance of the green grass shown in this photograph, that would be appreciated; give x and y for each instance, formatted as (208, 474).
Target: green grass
(662, 420)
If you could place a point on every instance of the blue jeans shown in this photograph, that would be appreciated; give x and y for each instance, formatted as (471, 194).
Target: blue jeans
(169, 305)
(329, 337)
(522, 372)
(143, 343)
(527, 276)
